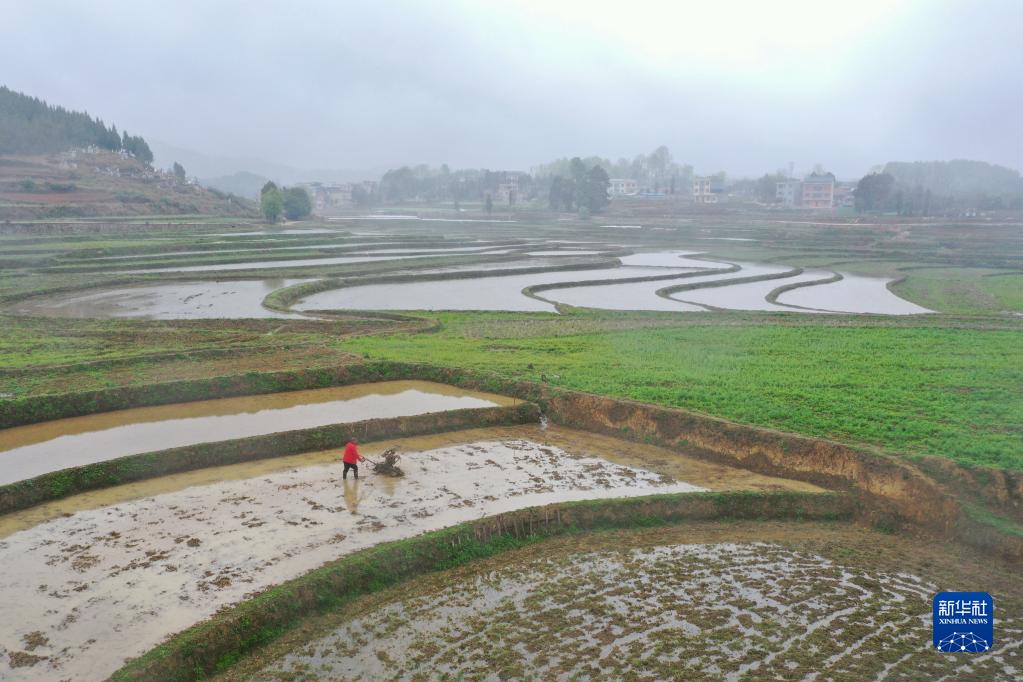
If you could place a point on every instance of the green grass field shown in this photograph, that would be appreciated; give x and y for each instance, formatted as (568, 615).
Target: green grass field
(952, 392)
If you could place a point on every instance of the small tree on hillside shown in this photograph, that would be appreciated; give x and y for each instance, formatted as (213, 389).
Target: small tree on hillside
(179, 171)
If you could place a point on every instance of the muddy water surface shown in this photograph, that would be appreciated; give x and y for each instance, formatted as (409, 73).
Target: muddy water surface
(35, 449)
(659, 460)
(729, 611)
(88, 590)
(180, 300)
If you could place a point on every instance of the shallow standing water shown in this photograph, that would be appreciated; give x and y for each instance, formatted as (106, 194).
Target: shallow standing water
(264, 265)
(643, 296)
(104, 584)
(502, 292)
(852, 294)
(175, 301)
(751, 295)
(28, 451)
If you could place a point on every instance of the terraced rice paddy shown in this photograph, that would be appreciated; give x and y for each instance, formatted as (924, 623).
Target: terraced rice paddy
(34, 449)
(720, 610)
(233, 299)
(750, 295)
(853, 294)
(481, 293)
(91, 587)
(643, 295)
(264, 265)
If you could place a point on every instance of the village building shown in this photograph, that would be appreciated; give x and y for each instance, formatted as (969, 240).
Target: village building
(703, 191)
(622, 187)
(815, 191)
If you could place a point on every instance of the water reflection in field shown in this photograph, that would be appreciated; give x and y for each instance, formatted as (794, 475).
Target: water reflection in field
(852, 294)
(27, 451)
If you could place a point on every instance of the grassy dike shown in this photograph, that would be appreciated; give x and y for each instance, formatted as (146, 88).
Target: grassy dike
(67, 482)
(218, 643)
(893, 492)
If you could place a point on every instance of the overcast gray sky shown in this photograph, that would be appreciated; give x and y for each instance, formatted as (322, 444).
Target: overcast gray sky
(743, 87)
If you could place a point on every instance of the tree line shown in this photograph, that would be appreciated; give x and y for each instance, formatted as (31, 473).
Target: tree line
(927, 187)
(293, 203)
(583, 189)
(28, 125)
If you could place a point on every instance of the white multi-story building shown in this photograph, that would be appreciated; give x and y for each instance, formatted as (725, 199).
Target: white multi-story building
(816, 190)
(788, 192)
(623, 187)
(702, 193)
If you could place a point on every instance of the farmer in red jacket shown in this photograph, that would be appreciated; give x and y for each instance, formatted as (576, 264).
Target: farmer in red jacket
(351, 458)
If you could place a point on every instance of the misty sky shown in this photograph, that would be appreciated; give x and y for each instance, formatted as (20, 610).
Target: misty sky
(743, 87)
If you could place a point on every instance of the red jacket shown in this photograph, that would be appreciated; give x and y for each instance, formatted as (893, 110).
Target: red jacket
(351, 455)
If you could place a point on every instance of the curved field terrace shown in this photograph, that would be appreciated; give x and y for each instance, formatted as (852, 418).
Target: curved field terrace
(35, 449)
(154, 563)
(689, 602)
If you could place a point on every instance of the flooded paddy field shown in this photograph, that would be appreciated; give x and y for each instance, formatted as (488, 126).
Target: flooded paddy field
(34, 449)
(669, 259)
(767, 600)
(852, 294)
(749, 295)
(278, 245)
(264, 265)
(172, 301)
(86, 589)
(643, 295)
(861, 294)
(480, 293)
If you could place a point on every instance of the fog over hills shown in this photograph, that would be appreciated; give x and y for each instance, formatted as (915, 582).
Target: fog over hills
(745, 88)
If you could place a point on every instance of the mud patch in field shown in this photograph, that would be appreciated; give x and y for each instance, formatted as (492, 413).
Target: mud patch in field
(177, 301)
(579, 443)
(733, 611)
(108, 583)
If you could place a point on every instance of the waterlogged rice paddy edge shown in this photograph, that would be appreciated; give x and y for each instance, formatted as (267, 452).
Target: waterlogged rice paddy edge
(852, 294)
(762, 599)
(503, 292)
(36, 449)
(658, 460)
(111, 582)
(178, 300)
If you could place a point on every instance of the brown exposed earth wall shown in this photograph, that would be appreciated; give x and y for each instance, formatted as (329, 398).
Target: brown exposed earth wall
(891, 491)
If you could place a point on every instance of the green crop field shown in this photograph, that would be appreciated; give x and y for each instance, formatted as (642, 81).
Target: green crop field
(953, 392)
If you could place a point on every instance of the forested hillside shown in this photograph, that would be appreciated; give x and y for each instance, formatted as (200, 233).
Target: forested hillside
(28, 125)
(958, 178)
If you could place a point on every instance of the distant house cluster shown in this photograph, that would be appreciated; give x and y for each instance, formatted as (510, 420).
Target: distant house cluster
(815, 191)
(327, 196)
(705, 190)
